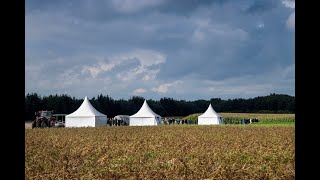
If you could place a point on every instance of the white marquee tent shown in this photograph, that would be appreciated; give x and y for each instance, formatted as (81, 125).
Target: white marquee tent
(145, 117)
(86, 116)
(210, 117)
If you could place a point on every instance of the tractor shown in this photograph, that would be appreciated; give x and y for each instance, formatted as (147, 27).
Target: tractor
(43, 119)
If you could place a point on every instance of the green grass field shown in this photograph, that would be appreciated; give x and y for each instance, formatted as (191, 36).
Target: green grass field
(235, 118)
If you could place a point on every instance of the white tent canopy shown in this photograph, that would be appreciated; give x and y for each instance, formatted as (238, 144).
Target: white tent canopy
(210, 117)
(86, 116)
(145, 117)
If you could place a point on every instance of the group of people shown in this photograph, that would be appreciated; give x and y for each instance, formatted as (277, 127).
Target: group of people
(167, 121)
(177, 121)
(116, 122)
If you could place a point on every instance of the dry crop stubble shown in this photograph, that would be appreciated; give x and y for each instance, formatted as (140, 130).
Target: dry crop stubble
(161, 152)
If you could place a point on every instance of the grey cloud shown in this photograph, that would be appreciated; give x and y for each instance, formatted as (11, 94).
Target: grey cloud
(291, 21)
(130, 6)
(85, 44)
(288, 3)
(260, 6)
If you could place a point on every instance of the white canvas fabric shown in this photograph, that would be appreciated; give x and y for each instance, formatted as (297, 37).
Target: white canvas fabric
(145, 117)
(210, 117)
(124, 118)
(86, 116)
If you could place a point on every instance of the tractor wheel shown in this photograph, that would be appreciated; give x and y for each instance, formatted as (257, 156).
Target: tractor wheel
(52, 124)
(43, 124)
(38, 124)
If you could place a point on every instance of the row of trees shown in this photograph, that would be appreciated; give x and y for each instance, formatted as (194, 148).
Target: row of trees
(64, 104)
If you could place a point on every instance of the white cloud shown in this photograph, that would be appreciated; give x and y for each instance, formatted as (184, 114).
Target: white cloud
(260, 25)
(70, 76)
(130, 6)
(164, 88)
(139, 91)
(288, 3)
(146, 59)
(150, 75)
(99, 68)
(198, 35)
(237, 86)
(205, 31)
(291, 21)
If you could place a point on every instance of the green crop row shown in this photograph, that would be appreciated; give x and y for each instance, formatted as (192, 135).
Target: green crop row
(236, 118)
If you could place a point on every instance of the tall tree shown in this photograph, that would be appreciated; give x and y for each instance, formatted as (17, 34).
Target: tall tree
(32, 104)
(273, 103)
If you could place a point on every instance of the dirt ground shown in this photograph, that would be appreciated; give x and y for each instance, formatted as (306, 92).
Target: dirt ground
(28, 125)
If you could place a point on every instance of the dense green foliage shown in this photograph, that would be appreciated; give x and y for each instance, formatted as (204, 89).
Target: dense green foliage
(273, 103)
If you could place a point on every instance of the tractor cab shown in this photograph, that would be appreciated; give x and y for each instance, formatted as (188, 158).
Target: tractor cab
(46, 114)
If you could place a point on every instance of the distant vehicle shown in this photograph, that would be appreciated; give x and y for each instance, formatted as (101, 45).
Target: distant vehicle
(43, 119)
(60, 120)
(59, 124)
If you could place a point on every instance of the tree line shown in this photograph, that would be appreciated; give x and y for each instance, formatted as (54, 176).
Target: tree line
(65, 104)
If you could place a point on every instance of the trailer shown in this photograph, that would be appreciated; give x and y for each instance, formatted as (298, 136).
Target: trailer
(60, 120)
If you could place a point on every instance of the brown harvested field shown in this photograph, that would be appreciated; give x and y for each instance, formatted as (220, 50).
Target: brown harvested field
(161, 152)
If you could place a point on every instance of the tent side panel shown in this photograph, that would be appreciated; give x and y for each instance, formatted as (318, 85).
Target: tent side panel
(80, 122)
(141, 121)
(101, 121)
(133, 121)
(208, 120)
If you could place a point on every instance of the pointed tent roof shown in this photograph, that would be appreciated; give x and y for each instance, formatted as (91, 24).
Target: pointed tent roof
(145, 111)
(210, 112)
(86, 109)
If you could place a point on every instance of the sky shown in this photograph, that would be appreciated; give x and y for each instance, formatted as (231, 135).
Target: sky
(182, 49)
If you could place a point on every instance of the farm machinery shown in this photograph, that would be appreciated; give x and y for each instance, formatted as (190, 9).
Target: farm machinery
(44, 119)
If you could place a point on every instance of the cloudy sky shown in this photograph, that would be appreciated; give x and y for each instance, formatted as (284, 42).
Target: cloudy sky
(183, 49)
